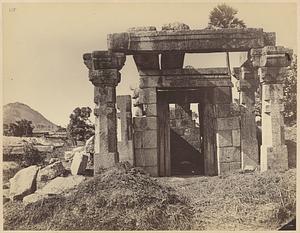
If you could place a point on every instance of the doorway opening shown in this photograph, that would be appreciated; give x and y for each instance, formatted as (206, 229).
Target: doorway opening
(186, 140)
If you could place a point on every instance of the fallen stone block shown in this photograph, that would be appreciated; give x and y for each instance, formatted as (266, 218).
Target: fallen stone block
(57, 186)
(79, 163)
(51, 171)
(70, 154)
(23, 183)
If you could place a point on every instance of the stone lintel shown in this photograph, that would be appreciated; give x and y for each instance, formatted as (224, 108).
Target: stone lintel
(191, 41)
(185, 71)
(145, 61)
(271, 56)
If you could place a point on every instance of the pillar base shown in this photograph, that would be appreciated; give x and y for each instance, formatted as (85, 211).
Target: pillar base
(274, 158)
(104, 161)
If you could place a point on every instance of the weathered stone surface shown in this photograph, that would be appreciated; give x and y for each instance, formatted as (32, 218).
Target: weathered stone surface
(226, 110)
(172, 60)
(224, 138)
(145, 139)
(23, 183)
(222, 95)
(146, 157)
(236, 137)
(229, 123)
(56, 186)
(148, 96)
(229, 154)
(145, 123)
(139, 29)
(70, 154)
(193, 41)
(50, 172)
(79, 163)
(146, 61)
(150, 109)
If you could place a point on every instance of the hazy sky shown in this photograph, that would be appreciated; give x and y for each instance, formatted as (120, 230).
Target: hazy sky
(43, 45)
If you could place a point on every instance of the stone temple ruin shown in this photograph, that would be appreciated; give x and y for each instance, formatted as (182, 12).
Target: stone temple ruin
(158, 138)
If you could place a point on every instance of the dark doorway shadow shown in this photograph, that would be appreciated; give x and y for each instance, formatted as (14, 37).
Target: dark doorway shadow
(185, 159)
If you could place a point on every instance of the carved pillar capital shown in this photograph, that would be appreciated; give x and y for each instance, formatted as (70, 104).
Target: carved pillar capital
(271, 56)
(104, 67)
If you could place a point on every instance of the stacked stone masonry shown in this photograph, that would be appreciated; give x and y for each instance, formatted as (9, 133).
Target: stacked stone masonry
(228, 129)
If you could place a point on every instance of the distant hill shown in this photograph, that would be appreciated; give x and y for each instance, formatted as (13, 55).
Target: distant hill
(17, 111)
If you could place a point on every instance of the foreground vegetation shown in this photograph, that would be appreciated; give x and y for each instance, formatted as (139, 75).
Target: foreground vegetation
(124, 198)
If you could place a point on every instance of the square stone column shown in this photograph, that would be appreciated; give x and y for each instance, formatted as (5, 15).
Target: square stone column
(247, 86)
(104, 73)
(272, 62)
(227, 132)
(126, 144)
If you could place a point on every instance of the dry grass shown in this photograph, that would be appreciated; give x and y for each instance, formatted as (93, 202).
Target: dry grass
(123, 198)
(240, 201)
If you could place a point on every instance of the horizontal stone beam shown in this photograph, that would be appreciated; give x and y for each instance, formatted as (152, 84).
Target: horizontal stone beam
(190, 41)
(185, 78)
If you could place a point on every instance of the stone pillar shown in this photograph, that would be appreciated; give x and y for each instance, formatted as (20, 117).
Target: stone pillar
(146, 147)
(247, 87)
(126, 144)
(272, 62)
(227, 131)
(104, 73)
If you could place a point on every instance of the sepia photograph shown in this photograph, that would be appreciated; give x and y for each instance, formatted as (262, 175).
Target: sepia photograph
(151, 115)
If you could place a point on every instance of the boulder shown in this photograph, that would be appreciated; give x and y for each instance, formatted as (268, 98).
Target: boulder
(51, 171)
(23, 183)
(79, 163)
(56, 186)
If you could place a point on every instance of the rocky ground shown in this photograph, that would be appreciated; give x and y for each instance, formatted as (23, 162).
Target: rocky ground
(60, 193)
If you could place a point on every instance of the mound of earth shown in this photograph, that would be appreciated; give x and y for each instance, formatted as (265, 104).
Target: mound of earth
(121, 198)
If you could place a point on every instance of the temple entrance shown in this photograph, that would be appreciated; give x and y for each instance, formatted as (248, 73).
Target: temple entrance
(187, 145)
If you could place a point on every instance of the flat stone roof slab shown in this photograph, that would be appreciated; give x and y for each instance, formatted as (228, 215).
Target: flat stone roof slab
(190, 41)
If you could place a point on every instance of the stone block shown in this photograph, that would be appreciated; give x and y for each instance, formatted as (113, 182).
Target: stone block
(150, 109)
(79, 163)
(236, 137)
(145, 139)
(23, 183)
(226, 110)
(146, 157)
(152, 170)
(224, 168)
(145, 123)
(148, 96)
(274, 158)
(229, 123)
(235, 166)
(229, 154)
(222, 95)
(224, 138)
(50, 172)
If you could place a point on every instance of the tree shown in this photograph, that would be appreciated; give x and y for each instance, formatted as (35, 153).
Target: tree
(223, 16)
(290, 93)
(20, 128)
(80, 127)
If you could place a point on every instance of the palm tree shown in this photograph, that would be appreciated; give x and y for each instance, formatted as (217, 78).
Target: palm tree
(223, 16)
